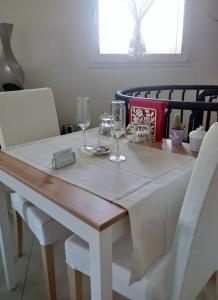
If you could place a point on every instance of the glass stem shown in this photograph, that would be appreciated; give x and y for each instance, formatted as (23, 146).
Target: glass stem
(118, 149)
(84, 137)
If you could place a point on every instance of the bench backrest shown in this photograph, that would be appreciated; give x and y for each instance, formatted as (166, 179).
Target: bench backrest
(197, 103)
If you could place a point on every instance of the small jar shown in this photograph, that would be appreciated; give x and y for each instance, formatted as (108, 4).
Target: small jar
(196, 137)
(105, 124)
(142, 134)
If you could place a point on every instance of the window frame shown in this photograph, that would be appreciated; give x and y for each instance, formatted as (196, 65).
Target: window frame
(153, 60)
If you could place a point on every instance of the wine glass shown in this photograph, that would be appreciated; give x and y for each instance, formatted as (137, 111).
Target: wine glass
(118, 126)
(83, 118)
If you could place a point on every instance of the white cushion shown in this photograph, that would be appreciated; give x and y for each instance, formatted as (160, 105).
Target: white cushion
(151, 287)
(46, 230)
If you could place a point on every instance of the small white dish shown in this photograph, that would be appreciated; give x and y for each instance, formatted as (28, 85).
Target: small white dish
(101, 150)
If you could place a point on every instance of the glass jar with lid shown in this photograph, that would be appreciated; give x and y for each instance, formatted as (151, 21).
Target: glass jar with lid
(105, 124)
(142, 134)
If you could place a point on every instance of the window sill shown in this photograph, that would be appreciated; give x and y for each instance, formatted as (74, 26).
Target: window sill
(150, 60)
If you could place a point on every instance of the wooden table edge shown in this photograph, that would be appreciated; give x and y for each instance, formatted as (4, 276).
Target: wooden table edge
(56, 189)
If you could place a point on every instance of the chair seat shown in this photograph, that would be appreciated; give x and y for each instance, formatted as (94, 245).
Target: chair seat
(151, 287)
(46, 230)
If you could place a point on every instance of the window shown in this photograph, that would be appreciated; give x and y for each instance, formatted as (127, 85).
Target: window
(162, 29)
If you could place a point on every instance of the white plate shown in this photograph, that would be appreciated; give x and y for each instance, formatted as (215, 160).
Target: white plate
(101, 150)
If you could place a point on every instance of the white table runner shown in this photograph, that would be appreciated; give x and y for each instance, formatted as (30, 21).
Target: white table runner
(151, 184)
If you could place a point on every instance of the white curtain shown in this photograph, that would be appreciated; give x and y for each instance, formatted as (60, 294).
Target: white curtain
(138, 8)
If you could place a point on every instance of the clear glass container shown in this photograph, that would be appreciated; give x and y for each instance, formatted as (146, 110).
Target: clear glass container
(105, 124)
(142, 134)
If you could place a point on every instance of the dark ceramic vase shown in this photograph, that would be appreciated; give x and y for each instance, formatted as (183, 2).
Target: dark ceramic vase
(11, 73)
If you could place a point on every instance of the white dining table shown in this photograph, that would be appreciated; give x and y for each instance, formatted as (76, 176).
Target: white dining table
(93, 218)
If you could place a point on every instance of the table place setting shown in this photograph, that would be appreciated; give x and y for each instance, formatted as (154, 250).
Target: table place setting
(114, 125)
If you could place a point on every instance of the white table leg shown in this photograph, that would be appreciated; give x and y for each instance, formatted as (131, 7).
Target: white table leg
(5, 241)
(100, 249)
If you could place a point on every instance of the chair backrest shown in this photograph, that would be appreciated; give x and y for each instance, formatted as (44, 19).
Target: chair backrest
(27, 115)
(195, 251)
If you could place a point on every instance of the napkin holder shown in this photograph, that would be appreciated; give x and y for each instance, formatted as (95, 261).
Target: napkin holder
(63, 158)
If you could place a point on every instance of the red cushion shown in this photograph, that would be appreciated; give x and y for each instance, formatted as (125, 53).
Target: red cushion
(139, 109)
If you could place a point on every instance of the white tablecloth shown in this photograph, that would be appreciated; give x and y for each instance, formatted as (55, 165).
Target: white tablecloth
(151, 184)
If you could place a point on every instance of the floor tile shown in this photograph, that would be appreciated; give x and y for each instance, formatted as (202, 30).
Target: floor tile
(21, 265)
(35, 284)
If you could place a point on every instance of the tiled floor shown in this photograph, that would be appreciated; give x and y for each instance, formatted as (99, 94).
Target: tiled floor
(30, 281)
(29, 274)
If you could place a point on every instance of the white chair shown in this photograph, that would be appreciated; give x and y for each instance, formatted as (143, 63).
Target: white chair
(183, 272)
(26, 116)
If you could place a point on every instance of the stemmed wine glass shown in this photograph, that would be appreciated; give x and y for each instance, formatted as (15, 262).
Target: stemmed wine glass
(118, 126)
(83, 118)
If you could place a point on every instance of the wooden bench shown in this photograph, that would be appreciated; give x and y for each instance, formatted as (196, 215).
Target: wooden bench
(197, 103)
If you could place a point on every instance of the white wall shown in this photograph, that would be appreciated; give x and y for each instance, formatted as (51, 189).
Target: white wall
(50, 40)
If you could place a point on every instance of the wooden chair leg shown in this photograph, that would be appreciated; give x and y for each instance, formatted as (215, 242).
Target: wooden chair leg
(49, 270)
(19, 233)
(75, 283)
